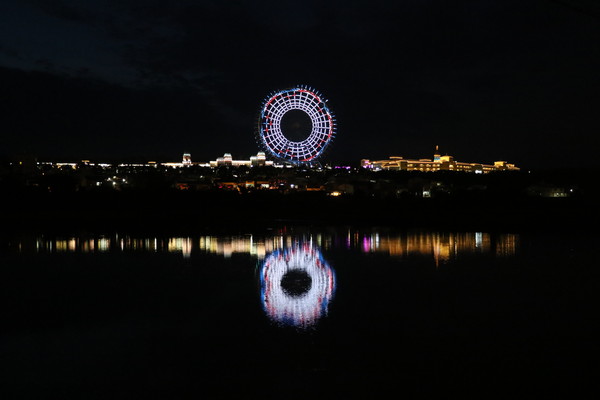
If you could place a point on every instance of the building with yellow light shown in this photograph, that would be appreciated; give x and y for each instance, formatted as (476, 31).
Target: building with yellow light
(439, 163)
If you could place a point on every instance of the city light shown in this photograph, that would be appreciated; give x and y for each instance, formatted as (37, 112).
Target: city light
(438, 163)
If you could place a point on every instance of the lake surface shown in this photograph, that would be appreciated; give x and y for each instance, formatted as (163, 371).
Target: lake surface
(298, 312)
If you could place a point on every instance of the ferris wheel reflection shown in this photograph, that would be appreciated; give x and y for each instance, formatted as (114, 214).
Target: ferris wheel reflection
(297, 285)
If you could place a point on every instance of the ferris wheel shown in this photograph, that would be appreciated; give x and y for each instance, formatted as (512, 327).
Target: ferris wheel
(311, 129)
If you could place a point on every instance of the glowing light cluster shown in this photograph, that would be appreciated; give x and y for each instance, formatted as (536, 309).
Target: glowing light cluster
(304, 308)
(273, 139)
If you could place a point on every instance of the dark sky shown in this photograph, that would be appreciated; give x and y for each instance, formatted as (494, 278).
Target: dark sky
(485, 80)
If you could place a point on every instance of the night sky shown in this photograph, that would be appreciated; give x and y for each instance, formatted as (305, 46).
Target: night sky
(149, 79)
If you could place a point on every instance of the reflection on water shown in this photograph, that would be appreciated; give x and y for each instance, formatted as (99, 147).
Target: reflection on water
(296, 285)
(441, 246)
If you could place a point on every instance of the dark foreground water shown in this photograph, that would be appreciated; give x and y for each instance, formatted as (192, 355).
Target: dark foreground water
(298, 313)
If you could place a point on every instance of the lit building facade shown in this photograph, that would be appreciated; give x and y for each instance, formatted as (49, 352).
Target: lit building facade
(439, 163)
(258, 160)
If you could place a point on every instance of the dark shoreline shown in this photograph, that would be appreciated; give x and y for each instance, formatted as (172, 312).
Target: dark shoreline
(232, 212)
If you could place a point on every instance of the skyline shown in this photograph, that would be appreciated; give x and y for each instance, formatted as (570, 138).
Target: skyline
(228, 159)
(486, 80)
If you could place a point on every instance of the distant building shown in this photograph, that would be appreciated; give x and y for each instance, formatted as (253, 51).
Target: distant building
(439, 163)
(186, 161)
(254, 161)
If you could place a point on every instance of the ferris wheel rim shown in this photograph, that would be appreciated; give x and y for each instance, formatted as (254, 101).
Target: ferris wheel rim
(312, 103)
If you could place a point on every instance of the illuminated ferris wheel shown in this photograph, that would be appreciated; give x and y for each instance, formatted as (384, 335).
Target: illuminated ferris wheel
(295, 125)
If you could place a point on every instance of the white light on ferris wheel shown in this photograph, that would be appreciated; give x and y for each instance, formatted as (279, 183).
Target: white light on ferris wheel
(305, 99)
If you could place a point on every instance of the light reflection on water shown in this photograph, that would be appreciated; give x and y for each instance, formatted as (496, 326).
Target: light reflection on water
(441, 246)
(297, 285)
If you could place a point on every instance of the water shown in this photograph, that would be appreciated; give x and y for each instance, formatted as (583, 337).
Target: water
(297, 312)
